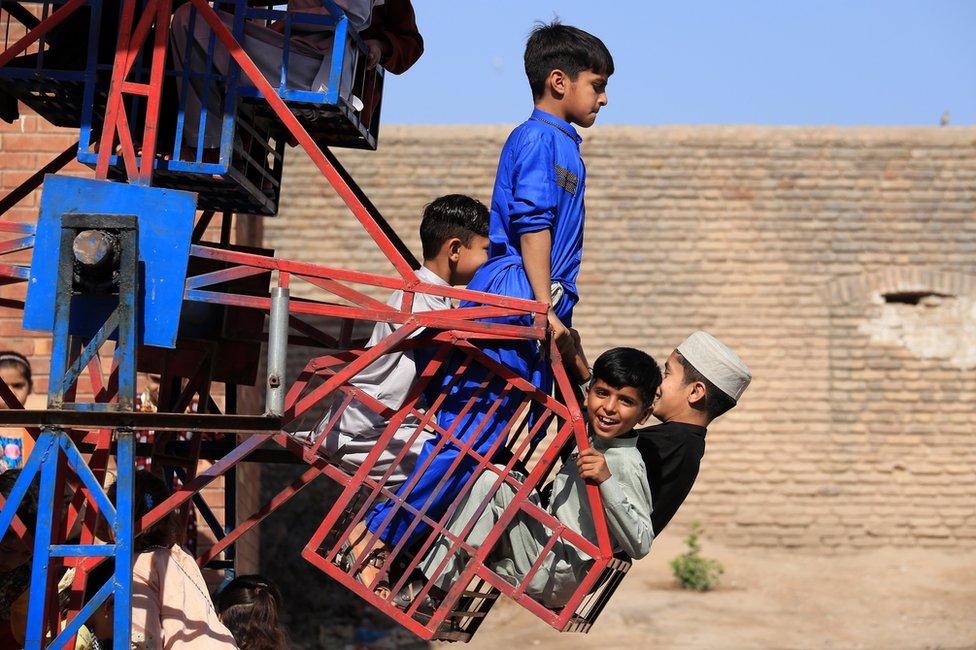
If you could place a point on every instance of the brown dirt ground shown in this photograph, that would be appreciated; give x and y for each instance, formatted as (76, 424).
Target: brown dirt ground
(882, 599)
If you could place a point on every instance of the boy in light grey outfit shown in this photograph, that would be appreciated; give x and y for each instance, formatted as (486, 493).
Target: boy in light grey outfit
(619, 397)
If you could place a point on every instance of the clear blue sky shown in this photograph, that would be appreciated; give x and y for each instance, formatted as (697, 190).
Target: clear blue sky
(706, 62)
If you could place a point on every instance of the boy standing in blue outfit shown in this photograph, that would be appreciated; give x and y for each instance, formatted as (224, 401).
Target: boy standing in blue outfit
(536, 245)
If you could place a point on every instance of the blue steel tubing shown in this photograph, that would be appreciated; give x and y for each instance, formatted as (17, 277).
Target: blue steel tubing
(62, 313)
(285, 54)
(30, 469)
(129, 320)
(184, 85)
(47, 501)
(91, 349)
(230, 94)
(230, 493)
(124, 535)
(338, 56)
(91, 81)
(205, 97)
(82, 550)
(230, 521)
(87, 477)
(84, 614)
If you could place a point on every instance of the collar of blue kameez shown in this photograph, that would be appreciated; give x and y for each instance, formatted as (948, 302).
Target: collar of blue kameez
(553, 121)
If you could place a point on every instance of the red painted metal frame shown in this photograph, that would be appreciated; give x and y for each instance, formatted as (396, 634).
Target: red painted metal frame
(337, 525)
(139, 168)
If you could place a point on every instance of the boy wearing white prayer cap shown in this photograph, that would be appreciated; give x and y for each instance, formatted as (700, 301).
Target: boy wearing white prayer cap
(703, 379)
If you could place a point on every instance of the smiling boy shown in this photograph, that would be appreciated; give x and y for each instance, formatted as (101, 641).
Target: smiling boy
(624, 384)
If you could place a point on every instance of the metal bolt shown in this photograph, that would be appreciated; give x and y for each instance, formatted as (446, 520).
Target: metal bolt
(274, 381)
(93, 247)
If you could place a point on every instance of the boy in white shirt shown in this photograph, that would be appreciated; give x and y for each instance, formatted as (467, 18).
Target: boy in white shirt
(454, 236)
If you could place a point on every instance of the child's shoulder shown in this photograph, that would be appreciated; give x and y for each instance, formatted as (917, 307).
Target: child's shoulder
(628, 456)
(530, 133)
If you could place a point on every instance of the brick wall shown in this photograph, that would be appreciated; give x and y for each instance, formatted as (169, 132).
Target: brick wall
(857, 430)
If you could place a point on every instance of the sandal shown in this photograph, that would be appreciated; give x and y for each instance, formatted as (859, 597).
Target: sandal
(406, 597)
(376, 558)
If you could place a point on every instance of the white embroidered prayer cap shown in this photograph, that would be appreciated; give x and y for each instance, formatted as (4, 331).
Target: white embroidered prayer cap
(717, 363)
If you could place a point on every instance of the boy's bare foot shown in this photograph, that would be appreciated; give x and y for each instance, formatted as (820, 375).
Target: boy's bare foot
(372, 565)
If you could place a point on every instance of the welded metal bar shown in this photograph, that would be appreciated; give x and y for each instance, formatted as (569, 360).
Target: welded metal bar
(114, 107)
(71, 629)
(32, 467)
(124, 529)
(21, 14)
(348, 373)
(205, 217)
(308, 269)
(243, 424)
(62, 312)
(82, 550)
(47, 503)
(277, 352)
(223, 275)
(157, 68)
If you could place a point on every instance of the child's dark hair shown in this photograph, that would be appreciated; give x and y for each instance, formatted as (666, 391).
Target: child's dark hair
(150, 491)
(454, 215)
(716, 402)
(27, 510)
(249, 606)
(554, 46)
(621, 367)
(11, 359)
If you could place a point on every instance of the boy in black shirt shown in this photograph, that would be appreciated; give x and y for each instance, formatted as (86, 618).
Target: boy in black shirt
(703, 379)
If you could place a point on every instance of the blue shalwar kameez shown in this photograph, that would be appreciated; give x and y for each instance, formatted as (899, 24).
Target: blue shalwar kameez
(539, 185)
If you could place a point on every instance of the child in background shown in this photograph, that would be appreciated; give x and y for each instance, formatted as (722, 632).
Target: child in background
(15, 443)
(536, 234)
(171, 607)
(249, 607)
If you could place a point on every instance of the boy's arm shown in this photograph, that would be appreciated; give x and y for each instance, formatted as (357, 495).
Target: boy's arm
(536, 255)
(626, 502)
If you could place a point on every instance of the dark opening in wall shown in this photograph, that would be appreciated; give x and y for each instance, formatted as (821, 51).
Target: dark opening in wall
(911, 297)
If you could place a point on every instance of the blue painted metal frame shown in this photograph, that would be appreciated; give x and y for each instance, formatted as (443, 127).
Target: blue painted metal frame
(52, 447)
(55, 452)
(165, 220)
(123, 319)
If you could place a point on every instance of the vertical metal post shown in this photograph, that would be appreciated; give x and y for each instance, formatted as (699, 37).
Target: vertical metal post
(230, 494)
(129, 320)
(277, 351)
(47, 501)
(124, 533)
(62, 317)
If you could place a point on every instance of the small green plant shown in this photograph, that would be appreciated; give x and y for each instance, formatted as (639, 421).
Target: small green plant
(691, 569)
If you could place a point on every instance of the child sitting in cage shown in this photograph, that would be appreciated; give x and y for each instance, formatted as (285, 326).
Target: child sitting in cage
(454, 237)
(619, 398)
